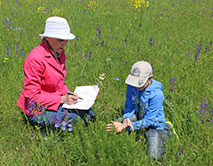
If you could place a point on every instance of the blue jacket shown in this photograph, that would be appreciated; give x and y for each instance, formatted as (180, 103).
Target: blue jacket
(147, 105)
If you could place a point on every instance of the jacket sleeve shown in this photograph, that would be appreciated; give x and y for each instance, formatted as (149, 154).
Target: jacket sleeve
(66, 89)
(150, 118)
(129, 107)
(33, 69)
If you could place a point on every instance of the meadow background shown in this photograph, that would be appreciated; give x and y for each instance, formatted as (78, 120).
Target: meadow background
(175, 36)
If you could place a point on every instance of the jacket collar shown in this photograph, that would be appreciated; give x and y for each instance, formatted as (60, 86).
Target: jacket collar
(58, 64)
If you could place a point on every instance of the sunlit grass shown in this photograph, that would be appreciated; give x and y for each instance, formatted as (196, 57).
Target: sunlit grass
(174, 36)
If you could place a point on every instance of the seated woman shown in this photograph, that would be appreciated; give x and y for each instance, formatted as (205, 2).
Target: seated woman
(44, 68)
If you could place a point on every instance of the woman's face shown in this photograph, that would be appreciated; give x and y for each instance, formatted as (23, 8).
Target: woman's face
(57, 44)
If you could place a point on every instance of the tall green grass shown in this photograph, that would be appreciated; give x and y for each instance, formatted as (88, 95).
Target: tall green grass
(178, 27)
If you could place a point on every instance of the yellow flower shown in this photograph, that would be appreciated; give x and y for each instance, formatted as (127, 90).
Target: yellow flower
(0, 3)
(56, 11)
(6, 58)
(41, 10)
(92, 4)
(147, 4)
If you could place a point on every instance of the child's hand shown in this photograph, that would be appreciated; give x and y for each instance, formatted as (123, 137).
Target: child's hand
(127, 122)
(118, 126)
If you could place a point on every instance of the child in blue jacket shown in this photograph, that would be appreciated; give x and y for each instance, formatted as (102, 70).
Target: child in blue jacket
(144, 108)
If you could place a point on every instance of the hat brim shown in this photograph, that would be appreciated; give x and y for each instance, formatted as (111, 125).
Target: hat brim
(62, 37)
(135, 81)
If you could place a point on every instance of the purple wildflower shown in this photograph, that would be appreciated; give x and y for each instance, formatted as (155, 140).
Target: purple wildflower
(8, 52)
(99, 37)
(84, 11)
(126, 62)
(90, 54)
(188, 52)
(16, 48)
(63, 128)
(199, 48)
(69, 129)
(32, 134)
(126, 43)
(57, 125)
(211, 112)
(6, 22)
(94, 43)
(151, 42)
(196, 57)
(102, 42)
(18, 2)
(64, 123)
(172, 83)
(22, 53)
(180, 152)
(138, 49)
(203, 110)
(99, 31)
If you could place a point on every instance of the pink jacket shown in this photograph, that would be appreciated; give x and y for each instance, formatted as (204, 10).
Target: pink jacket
(44, 79)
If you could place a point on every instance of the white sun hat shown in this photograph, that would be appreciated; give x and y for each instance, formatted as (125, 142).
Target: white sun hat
(140, 72)
(58, 28)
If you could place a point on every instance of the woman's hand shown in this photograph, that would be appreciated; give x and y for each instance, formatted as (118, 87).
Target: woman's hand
(69, 99)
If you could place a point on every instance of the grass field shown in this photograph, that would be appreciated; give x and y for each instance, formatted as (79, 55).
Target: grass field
(175, 36)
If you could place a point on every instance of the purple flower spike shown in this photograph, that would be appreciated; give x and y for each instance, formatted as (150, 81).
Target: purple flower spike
(151, 42)
(8, 52)
(99, 37)
(211, 112)
(199, 48)
(102, 42)
(126, 62)
(172, 89)
(22, 53)
(99, 31)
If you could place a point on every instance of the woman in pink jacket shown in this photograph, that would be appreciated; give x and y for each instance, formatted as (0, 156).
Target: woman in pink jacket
(44, 68)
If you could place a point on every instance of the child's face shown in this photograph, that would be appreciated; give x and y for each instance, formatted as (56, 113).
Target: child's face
(145, 85)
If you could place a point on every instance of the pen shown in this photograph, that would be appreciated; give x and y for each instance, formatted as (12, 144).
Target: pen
(74, 95)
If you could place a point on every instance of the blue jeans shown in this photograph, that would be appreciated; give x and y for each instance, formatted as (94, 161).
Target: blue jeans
(49, 116)
(157, 140)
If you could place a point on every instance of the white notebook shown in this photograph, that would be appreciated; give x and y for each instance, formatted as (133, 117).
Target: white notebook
(89, 95)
